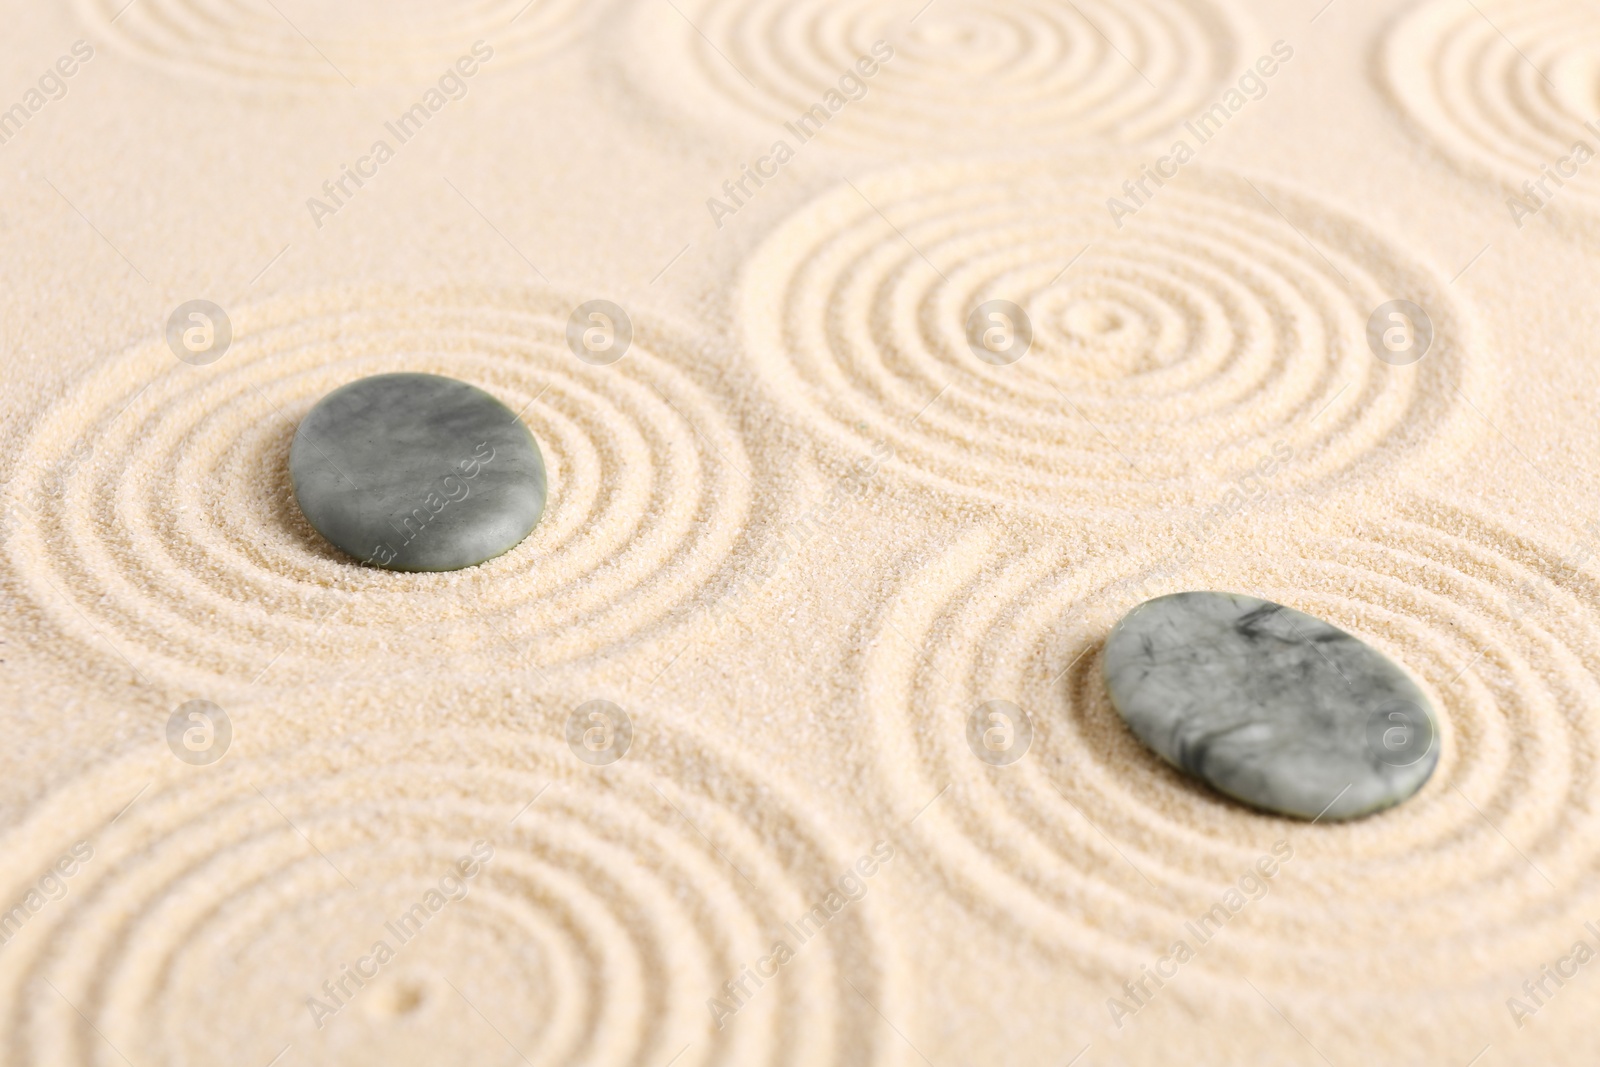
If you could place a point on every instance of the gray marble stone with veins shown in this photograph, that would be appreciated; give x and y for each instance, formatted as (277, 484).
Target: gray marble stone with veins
(417, 472)
(1271, 706)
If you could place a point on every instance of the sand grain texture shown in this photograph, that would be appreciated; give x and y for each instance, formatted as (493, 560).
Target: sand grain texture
(798, 533)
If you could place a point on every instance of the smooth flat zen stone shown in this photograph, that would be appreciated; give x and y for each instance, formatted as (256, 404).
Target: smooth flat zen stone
(1271, 706)
(416, 472)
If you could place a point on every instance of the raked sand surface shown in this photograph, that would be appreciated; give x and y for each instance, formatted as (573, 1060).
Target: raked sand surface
(798, 533)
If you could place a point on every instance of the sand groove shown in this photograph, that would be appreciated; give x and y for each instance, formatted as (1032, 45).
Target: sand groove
(368, 43)
(594, 935)
(151, 515)
(965, 75)
(1094, 846)
(1505, 90)
(1181, 349)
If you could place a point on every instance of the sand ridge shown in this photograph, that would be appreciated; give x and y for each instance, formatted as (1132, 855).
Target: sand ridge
(1512, 115)
(974, 77)
(174, 537)
(613, 898)
(1093, 837)
(1192, 341)
(240, 42)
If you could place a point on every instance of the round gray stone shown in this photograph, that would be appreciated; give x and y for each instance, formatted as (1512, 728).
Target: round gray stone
(416, 472)
(1271, 706)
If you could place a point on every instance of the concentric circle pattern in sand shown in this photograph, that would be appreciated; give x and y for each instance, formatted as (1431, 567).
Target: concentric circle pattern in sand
(364, 43)
(616, 903)
(1205, 336)
(152, 523)
(964, 76)
(1505, 88)
(1094, 846)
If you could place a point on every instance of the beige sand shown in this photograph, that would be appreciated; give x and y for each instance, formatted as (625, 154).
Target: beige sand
(798, 532)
